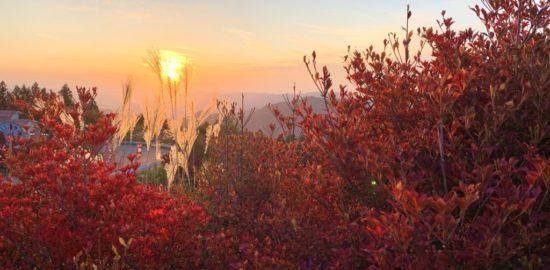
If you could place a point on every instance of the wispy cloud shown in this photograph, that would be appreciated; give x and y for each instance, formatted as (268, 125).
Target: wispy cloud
(265, 66)
(243, 34)
(331, 31)
(79, 8)
(119, 9)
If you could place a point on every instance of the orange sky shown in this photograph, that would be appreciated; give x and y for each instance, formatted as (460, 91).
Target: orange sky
(236, 45)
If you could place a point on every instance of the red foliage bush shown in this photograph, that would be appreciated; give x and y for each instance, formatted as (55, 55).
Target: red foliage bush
(70, 207)
(459, 143)
(437, 163)
(262, 205)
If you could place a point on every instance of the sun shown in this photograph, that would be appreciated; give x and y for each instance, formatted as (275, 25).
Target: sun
(171, 68)
(172, 65)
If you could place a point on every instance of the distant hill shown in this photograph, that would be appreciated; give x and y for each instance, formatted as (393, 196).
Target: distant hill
(259, 100)
(251, 100)
(262, 117)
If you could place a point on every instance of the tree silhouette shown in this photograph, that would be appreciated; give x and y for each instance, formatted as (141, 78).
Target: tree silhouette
(67, 96)
(4, 98)
(23, 93)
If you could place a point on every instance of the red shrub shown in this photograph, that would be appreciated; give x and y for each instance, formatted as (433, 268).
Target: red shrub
(67, 201)
(459, 142)
(263, 206)
(439, 162)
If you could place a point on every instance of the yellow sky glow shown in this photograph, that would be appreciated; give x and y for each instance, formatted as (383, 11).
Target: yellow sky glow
(235, 46)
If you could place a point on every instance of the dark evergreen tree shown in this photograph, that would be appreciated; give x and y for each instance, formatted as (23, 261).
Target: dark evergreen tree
(36, 90)
(67, 95)
(4, 98)
(23, 93)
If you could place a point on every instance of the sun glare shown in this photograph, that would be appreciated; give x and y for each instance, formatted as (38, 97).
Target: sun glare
(172, 65)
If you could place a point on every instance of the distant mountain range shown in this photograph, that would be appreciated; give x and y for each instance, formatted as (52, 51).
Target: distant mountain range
(259, 100)
(262, 115)
(259, 105)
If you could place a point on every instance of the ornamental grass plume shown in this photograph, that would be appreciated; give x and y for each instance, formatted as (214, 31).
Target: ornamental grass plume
(173, 71)
(185, 138)
(125, 120)
(153, 119)
(212, 131)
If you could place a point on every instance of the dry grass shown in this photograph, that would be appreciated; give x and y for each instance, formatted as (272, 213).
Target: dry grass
(184, 130)
(125, 120)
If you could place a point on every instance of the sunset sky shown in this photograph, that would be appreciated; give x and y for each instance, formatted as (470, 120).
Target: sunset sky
(235, 45)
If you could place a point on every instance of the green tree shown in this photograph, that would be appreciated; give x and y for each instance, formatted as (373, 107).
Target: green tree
(36, 91)
(67, 95)
(23, 93)
(4, 98)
